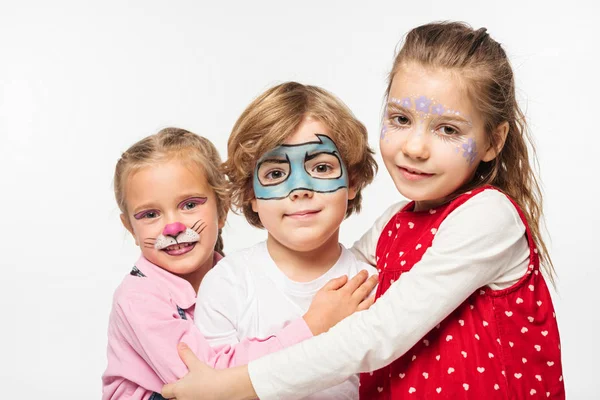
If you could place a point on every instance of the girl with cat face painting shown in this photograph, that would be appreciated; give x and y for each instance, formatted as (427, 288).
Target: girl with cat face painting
(174, 201)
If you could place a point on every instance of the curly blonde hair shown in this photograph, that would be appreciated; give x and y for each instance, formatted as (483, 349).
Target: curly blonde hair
(485, 67)
(177, 143)
(274, 116)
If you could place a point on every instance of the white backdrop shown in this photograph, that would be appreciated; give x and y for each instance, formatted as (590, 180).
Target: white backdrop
(81, 81)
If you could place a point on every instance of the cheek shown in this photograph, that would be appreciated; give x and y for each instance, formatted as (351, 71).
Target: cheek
(450, 150)
(392, 143)
(455, 154)
(267, 209)
(339, 198)
(143, 231)
(269, 221)
(207, 212)
(341, 202)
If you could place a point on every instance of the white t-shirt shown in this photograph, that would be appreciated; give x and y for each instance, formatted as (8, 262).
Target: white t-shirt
(480, 243)
(247, 295)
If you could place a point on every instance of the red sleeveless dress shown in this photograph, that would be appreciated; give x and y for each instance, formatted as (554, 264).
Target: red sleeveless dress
(498, 344)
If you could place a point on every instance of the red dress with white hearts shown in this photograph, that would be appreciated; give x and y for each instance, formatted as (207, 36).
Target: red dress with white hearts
(498, 344)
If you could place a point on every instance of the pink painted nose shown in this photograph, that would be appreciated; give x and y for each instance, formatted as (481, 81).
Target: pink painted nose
(174, 229)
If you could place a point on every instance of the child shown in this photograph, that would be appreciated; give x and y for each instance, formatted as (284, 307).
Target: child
(297, 162)
(174, 202)
(464, 311)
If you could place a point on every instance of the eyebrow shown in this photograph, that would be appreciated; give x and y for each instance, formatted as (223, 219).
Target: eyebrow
(275, 161)
(151, 205)
(143, 207)
(447, 117)
(309, 157)
(191, 196)
(394, 106)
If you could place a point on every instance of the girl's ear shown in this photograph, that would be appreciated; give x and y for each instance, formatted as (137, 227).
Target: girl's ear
(127, 225)
(500, 134)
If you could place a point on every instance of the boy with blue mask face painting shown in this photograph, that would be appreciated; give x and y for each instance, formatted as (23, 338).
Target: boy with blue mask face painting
(297, 161)
(293, 159)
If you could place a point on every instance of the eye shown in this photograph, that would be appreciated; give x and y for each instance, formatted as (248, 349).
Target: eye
(150, 214)
(275, 175)
(400, 120)
(322, 168)
(188, 205)
(273, 172)
(449, 130)
(323, 165)
(192, 202)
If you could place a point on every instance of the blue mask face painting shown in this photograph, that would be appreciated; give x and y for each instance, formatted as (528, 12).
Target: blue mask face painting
(314, 166)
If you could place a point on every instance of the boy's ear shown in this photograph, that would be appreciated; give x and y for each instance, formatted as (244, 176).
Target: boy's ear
(253, 203)
(352, 191)
(127, 225)
(500, 134)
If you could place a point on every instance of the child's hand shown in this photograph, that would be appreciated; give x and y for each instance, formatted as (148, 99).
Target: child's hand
(207, 383)
(338, 299)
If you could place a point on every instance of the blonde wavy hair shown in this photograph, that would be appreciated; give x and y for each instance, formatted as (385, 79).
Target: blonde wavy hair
(171, 143)
(274, 116)
(484, 66)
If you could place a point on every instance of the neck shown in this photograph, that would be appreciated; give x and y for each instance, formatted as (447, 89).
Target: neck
(305, 266)
(195, 278)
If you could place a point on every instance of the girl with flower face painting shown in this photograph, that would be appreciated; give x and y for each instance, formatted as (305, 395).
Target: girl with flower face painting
(174, 201)
(463, 309)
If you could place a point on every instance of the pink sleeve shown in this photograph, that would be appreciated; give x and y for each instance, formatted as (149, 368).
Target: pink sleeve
(250, 349)
(153, 327)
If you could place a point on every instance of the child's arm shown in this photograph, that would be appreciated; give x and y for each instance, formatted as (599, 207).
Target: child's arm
(152, 326)
(478, 244)
(226, 293)
(364, 248)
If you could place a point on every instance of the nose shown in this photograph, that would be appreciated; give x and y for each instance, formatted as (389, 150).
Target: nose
(301, 193)
(174, 229)
(415, 145)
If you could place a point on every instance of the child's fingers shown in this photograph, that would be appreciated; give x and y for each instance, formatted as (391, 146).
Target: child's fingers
(188, 357)
(168, 391)
(336, 283)
(194, 365)
(363, 291)
(356, 281)
(366, 303)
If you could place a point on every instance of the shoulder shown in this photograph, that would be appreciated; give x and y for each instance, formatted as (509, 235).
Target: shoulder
(236, 264)
(489, 206)
(137, 298)
(353, 265)
(391, 211)
(231, 271)
(136, 288)
(488, 215)
(364, 248)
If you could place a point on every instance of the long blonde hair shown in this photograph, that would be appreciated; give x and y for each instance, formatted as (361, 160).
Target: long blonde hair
(483, 64)
(167, 144)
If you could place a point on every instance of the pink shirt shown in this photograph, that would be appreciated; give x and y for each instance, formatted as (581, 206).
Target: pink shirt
(152, 311)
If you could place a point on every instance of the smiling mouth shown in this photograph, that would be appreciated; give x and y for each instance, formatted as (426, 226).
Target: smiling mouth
(413, 174)
(303, 214)
(179, 249)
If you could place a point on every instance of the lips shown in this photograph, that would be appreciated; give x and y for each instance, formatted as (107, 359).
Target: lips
(413, 174)
(303, 214)
(179, 249)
